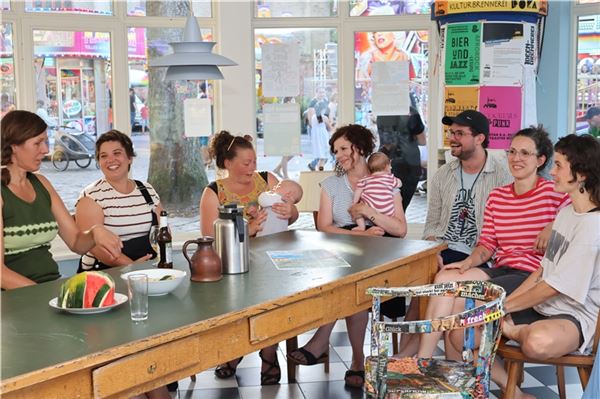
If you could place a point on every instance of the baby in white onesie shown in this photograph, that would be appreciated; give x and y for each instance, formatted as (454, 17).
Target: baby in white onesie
(287, 191)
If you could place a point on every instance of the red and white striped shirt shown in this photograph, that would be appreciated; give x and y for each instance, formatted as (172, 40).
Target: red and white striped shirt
(512, 222)
(378, 191)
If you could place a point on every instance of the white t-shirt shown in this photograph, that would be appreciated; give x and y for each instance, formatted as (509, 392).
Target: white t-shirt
(571, 266)
(273, 224)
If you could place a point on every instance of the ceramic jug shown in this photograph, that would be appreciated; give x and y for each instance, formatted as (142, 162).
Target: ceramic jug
(205, 264)
(231, 239)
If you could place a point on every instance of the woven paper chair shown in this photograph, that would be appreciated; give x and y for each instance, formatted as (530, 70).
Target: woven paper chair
(394, 378)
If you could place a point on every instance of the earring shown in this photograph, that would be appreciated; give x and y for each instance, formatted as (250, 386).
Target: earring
(582, 186)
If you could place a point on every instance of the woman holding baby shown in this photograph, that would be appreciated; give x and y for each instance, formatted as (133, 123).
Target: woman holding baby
(242, 186)
(351, 145)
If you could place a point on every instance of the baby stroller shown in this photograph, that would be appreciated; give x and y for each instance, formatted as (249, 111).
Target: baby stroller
(71, 144)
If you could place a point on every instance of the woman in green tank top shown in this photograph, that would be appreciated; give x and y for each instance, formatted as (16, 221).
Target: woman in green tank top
(32, 211)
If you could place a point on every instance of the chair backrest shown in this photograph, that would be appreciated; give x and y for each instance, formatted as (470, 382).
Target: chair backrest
(489, 314)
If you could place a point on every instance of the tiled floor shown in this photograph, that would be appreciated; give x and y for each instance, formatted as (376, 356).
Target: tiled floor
(314, 383)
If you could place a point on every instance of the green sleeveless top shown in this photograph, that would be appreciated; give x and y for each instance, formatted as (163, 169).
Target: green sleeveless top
(28, 230)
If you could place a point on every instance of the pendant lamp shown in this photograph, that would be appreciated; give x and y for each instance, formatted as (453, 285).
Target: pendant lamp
(192, 59)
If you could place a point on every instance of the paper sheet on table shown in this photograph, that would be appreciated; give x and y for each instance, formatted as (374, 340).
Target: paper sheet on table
(306, 259)
(197, 117)
(281, 129)
(390, 88)
(280, 69)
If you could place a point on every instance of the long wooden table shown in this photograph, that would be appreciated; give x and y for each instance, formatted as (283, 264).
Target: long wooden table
(51, 354)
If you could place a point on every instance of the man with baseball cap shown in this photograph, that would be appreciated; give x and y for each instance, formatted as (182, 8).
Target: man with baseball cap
(458, 192)
(592, 116)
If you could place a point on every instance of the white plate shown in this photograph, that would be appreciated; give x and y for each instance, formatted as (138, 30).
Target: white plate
(119, 299)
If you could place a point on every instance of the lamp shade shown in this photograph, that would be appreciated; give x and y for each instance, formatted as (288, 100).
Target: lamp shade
(192, 59)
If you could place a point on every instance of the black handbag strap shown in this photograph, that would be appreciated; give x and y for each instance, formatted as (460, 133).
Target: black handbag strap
(148, 199)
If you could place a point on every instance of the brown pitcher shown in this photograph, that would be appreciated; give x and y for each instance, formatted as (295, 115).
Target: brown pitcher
(205, 264)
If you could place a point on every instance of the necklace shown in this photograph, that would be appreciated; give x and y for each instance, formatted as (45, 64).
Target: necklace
(467, 194)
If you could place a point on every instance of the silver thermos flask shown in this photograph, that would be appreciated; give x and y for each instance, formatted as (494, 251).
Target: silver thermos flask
(231, 239)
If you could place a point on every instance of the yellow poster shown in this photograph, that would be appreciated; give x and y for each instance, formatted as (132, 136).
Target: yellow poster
(445, 7)
(457, 100)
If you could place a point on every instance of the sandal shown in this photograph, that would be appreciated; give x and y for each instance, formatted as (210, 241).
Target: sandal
(354, 373)
(310, 359)
(226, 370)
(268, 378)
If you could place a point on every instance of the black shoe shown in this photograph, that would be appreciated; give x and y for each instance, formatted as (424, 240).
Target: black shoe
(172, 387)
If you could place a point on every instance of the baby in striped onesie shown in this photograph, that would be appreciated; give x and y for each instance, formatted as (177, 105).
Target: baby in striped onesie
(377, 189)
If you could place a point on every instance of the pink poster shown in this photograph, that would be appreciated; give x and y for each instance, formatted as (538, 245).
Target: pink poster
(502, 106)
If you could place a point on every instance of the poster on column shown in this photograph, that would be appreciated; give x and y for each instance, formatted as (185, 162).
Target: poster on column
(280, 69)
(502, 106)
(502, 53)
(462, 53)
(457, 100)
(281, 124)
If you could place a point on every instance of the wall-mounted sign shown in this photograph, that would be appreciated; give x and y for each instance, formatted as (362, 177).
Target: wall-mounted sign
(446, 7)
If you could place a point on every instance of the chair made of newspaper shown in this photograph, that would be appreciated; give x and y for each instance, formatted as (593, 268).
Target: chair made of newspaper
(394, 378)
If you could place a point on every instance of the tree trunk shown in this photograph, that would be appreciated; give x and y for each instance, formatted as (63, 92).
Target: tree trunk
(176, 169)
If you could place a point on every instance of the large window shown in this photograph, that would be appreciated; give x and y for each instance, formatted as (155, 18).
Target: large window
(588, 70)
(373, 47)
(295, 8)
(7, 69)
(69, 6)
(143, 8)
(363, 8)
(73, 85)
(318, 67)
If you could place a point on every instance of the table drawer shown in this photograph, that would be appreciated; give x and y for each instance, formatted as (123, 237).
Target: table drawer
(399, 277)
(145, 366)
(286, 318)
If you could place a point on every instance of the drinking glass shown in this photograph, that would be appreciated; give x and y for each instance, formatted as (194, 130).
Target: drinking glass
(137, 287)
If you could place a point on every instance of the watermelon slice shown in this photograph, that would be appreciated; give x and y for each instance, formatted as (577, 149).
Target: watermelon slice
(87, 290)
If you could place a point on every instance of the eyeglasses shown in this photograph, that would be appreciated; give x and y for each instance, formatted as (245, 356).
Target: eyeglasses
(459, 134)
(523, 154)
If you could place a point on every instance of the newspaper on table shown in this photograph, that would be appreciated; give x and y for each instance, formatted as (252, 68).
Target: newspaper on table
(306, 259)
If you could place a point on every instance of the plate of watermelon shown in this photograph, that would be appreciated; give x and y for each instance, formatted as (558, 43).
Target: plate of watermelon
(119, 299)
(88, 293)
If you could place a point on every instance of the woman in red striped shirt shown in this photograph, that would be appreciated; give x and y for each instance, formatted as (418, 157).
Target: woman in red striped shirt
(516, 227)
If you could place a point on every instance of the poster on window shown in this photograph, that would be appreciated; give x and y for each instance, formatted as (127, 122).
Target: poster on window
(505, 49)
(462, 53)
(281, 129)
(502, 106)
(281, 69)
(390, 88)
(457, 100)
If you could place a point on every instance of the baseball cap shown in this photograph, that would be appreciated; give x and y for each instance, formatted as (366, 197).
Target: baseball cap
(474, 119)
(591, 112)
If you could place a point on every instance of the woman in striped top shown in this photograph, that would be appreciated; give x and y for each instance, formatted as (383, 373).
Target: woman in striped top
(117, 202)
(517, 223)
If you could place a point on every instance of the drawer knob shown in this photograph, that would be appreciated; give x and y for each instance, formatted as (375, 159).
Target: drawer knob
(386, 283)
(152, 368)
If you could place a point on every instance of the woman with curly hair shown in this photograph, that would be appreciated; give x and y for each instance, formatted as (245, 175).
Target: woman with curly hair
(351, 145)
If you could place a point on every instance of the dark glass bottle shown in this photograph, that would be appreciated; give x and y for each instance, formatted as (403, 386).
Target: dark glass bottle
(164, 242)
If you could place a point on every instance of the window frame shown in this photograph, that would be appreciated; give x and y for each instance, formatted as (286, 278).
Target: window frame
(577, 10)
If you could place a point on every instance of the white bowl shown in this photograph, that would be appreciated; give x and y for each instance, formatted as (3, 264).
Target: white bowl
(156, 286)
